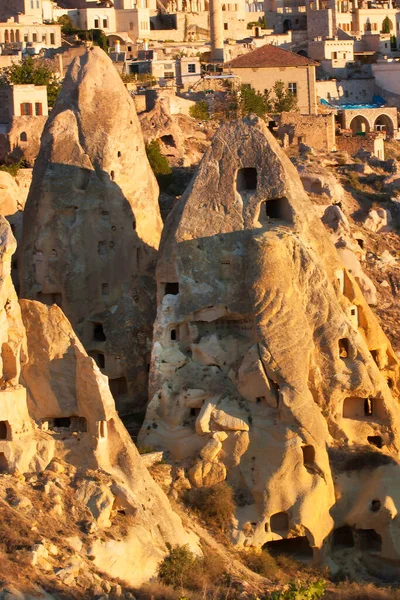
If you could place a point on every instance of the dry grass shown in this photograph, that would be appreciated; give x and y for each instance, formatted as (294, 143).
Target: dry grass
(215, 505)
(361, 591)
(343, 460)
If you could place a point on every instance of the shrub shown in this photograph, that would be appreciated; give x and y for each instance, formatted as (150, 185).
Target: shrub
(200, 111)
(296, 591)
(145, 449)
(353, 181)
(159, 165)
(12, 169)
(215, 504)
(344, 460)
(182, 569)
(175, 567)
(361, 591)
(261, 563)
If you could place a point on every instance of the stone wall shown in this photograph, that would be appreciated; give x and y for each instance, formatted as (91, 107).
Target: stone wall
(320, 23)
(352, 145)
(317, 131)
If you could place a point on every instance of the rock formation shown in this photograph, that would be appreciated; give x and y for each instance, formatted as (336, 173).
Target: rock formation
(182, 140)
(269, 369)
(56, 407)
(92, 224)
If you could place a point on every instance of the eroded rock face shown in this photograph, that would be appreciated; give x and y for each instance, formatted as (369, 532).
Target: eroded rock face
(57, 415)
(266, 357)
(92, 224)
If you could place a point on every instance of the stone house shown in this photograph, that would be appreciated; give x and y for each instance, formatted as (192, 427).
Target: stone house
(263, 67)
(23, 113)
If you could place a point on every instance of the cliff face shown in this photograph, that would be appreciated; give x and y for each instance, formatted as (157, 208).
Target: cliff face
(268, 368)
(92, 224)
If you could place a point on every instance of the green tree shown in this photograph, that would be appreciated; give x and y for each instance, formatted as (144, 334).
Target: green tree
(254, 102)
(284, 100)
(97, 36)
(159, 165)
(200, 111)
(37, 72)
(260, 23)
(386, 25)
(67, 27)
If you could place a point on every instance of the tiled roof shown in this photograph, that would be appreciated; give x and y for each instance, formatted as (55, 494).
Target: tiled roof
(269, 56)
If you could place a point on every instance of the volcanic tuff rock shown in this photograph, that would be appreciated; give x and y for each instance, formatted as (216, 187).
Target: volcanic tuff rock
(56, 407)
(268, 367)
(92, 224)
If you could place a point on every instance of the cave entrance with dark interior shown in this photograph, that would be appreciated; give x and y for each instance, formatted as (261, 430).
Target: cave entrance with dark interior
(168, 140)
(308, 455)
(343, 538)
(246, 180)
(4, 430)
(276, 208)
(298, 548)
(344, 348)
(279, 523)
(118, 387)
(375, 440)
(369, 540)
(3, 463)
(74, 423)
(98, 332)
(98, 358)
(172, 288)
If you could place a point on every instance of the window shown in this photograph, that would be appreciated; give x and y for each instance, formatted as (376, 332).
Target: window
(52, 39)
(96, 23)
(172, 287)
(34, 37)
(292, 87)
(246, 179)
(131, 25)
(98, 332)
(23, 137)
(32, 4)
(38, 109)
(334, 55)
(26, 109)
(37, 4)
(105, 23)
(225, 26)
(191, 68)
(44, 37)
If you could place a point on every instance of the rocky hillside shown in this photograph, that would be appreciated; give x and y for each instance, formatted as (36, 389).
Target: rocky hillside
(268, 320)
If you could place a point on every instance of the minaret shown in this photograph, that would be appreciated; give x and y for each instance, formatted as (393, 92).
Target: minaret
(216, 31)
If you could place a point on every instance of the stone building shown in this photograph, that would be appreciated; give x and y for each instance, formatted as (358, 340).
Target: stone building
(22, 22)
(23, 113)
(360, 119)
(92, 224)
(261, 69)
